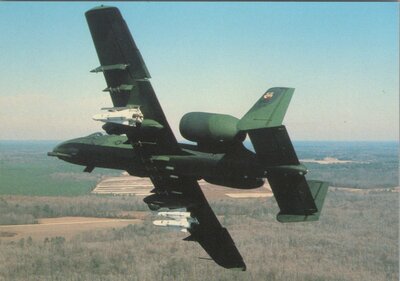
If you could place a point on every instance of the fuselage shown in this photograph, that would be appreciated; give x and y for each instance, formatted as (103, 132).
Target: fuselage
(234, 166)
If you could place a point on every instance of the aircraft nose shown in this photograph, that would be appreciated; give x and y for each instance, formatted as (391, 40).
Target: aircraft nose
(64, 150)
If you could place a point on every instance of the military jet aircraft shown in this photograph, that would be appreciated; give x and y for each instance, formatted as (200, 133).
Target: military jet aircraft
(140, 141)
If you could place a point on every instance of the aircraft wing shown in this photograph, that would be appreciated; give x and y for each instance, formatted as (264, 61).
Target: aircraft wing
(124, 70)
(209, 233)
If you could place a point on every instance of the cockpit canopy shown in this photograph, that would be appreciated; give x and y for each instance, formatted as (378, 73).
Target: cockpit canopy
(95, 135)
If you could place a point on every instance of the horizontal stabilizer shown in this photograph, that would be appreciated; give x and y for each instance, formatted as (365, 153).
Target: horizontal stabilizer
(292, 194)
(298, 199)
(273, 147)
(318, 190)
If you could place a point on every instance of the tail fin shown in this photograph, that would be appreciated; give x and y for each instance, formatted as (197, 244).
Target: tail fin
(268, 111)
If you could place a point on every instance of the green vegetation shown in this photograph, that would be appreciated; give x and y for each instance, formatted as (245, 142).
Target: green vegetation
(356, 239)
(26, 169)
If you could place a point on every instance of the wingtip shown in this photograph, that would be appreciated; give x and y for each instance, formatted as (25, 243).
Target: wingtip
(241, 267)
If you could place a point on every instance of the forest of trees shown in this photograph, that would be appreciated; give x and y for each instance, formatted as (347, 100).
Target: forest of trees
(355, 239)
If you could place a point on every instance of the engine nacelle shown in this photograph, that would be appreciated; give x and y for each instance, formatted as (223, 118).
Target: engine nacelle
(205, 127)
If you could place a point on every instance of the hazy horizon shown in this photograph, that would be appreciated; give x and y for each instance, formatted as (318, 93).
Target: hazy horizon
(246, 141)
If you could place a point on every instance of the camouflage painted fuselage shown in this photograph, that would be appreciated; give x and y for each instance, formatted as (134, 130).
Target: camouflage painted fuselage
(235, 167)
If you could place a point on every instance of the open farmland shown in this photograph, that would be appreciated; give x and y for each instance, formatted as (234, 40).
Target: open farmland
(67, 227)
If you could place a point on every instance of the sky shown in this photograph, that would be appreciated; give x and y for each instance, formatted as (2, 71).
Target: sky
(342, 59)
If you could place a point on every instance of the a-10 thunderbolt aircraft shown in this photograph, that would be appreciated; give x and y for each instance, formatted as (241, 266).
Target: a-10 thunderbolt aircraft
(140, 141)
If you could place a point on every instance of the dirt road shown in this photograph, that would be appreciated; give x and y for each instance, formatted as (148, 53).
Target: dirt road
(66, 227)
